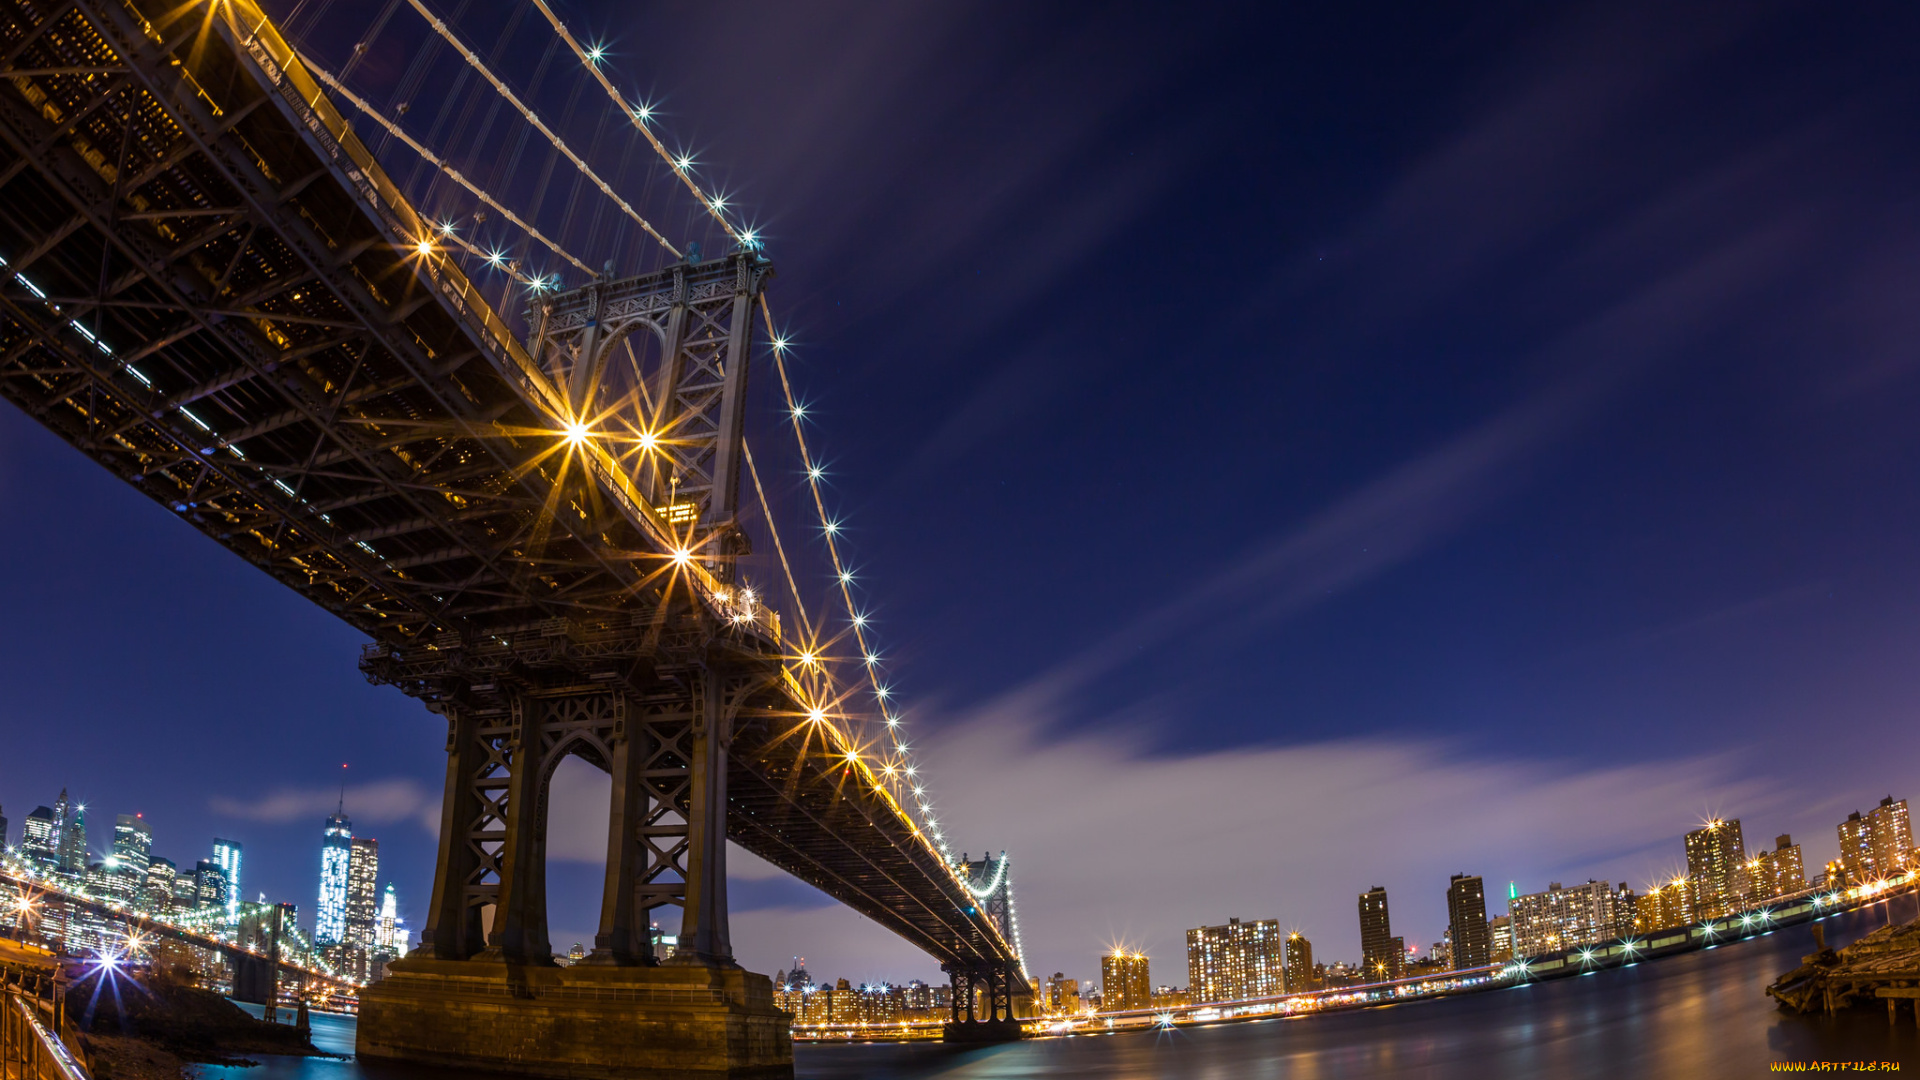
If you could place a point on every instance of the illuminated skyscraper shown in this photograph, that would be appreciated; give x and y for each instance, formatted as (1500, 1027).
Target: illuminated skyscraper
(363, 871)
(1378, 953)
(227, 854)
(1236, 961)
(157, 893)
(390, 930)
(40, 839)
(3, 829)
(73, 835)
(1500, 938)
(209, 885)
(1124, 983)
(132, 850)
(1717, 866)
(1300, 976)
(336, 856)
(1467, 922)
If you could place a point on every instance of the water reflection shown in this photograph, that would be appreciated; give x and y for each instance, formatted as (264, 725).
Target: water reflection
(1699, 1015)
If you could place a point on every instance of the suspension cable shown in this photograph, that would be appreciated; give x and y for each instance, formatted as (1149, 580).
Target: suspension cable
(682, 166)
(479, 65)
(451, 172)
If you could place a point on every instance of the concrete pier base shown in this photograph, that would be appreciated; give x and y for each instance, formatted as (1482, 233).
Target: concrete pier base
(984, 1031)
(617, 1023)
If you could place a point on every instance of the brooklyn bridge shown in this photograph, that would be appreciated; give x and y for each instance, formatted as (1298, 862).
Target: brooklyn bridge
(534, 493)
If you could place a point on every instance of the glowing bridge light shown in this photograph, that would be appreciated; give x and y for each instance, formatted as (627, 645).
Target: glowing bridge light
(861, 622)
(575, 431)
(780, 344)
(881, 692)
(833, 529)
(643, 111)
(446, 228)
(817, 715)
(424, 247)
(594, 54)
(815, 473)
(846, 576)
(494, 258)
(683, 162)
(893, 721)
(872, 660)
(682, 556)
(799, 412)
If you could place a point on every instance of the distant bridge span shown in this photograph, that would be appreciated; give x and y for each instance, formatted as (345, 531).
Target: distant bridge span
(211, 289)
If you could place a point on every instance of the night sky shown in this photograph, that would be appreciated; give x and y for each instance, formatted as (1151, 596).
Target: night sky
(1284, 452)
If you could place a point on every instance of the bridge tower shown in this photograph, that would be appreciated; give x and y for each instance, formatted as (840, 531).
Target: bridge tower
(989, 996)
(656, 366)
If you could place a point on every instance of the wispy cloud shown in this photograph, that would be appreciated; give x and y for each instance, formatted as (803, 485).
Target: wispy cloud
(1114, 844)
(378, 803)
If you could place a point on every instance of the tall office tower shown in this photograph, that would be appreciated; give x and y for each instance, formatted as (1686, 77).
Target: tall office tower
(1563, 918)
(1300, 978)
(1716, 864)
(336, 855)
(1467, 922)
(156, 893)
(363, 871)
(73, 838)
(390, 930)
(1891, 836)
(1377, 952)
(40, 839)
(1780, 871)
(61, 806)
(3, 829)
(132, 850)
(1123, 982)
(209, 885)
(1500, 939)
(227, 854)
(1236, 961)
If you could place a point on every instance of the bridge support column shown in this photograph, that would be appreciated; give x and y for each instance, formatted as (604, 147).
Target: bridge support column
(498, 1004)
(971, 983)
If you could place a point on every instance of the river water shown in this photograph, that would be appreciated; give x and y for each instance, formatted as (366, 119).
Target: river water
(1701, 1014)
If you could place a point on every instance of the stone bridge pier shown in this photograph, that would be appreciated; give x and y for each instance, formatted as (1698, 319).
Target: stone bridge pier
(483, 990)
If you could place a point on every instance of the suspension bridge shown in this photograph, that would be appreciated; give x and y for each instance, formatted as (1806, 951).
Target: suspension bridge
(533, 490)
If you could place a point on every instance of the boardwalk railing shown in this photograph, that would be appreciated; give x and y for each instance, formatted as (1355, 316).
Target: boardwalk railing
(31, 1011)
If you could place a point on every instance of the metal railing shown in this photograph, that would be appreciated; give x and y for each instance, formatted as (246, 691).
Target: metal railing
(30, 1014)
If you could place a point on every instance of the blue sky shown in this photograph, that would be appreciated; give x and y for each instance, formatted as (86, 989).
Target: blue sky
(1284, 453)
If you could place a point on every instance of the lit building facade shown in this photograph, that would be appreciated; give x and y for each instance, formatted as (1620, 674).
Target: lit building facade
(209, 885)
(1779, 872)
(363, 872)
(1563, 918)
(336, 857)
(1300, 976)
(1717, 865)
(1236, 961)
(163, 881)
(1878, 845)
(73, 835)
(227, 853)
(40, 839)
(1500, 939)
(1380, 955)
(1470, 943)
(1062, 995)
(1123, 982)
(1664, 906)
(390, 930)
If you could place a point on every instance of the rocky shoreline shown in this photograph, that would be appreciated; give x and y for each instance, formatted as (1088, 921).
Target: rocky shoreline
(151, 1026)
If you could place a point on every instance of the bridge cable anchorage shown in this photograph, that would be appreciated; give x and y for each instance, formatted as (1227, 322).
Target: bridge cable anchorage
(453, 174)
(473, 59)
(682, 167)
